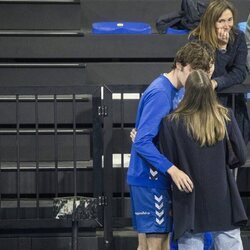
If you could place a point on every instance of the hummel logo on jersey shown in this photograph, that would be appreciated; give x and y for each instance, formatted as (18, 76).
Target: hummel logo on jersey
(153, 174)
(158, 199)
(159, 211)
(159, 214)
(159, 206)
(160, 221)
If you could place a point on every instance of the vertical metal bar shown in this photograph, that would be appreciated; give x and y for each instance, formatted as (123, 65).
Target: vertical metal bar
(18, 156)
(74, 144)
(97, 149)
(37, 155)
(108, 169)
(235, 171)
(1, 147)
(81, 16)
(233, 102)
(74, 218)
(74, 244)
(122, 157)
(56, 146)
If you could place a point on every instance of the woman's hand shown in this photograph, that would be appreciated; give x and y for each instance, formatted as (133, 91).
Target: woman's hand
(133, 134)
(223, 37)
(214, 84)
(181, 180)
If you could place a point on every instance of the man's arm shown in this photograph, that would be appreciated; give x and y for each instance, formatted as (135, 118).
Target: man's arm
(156, 106)
(181, 180)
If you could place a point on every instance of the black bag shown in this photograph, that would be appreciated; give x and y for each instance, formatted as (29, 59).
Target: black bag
(187, 18)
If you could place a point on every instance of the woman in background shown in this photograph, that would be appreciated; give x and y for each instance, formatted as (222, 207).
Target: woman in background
(217, 28)
(194, 139)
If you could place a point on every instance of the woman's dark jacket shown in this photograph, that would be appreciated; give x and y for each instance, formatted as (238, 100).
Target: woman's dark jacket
(215, 203)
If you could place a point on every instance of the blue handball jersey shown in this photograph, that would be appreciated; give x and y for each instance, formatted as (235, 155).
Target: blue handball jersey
(148, 167)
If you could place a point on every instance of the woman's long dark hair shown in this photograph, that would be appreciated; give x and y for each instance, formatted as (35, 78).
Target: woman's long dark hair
(200, 111)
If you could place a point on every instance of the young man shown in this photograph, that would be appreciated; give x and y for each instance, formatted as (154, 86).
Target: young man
(149, 174)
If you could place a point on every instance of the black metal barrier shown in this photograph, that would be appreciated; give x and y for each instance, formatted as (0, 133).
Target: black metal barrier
(50, 145)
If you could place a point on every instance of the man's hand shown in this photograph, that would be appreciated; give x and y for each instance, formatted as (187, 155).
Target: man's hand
(181, 180)
(133, 134)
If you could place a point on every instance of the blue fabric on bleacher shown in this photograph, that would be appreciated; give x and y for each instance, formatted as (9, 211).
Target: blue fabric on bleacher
(242, 26)
(121, 28)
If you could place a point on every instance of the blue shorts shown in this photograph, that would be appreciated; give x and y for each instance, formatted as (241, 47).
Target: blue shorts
(151, 209)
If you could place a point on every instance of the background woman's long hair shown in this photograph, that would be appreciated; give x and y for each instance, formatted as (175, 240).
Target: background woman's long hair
(200, 111)
(206, 30)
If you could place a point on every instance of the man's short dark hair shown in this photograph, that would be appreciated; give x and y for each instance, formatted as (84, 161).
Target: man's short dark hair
(198, 54)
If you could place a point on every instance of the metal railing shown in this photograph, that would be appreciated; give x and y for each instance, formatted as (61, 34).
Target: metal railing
(23, 201)
(108, 116)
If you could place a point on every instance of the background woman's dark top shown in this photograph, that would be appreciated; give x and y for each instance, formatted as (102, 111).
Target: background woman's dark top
(230, 66)
(215, 203)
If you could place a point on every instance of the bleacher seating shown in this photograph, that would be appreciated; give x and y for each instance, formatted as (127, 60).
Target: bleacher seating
(49, 43)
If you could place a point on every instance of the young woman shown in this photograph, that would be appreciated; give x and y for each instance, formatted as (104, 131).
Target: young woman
(193, 138)
(217, 28)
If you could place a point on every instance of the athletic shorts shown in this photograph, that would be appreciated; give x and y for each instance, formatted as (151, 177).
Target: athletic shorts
(151, 209)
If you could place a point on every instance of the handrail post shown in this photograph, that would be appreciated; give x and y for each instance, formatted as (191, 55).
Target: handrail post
(108, 168)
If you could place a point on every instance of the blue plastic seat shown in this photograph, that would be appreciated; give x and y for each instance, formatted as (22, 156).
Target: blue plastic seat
(121, 28)
(242, 26)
